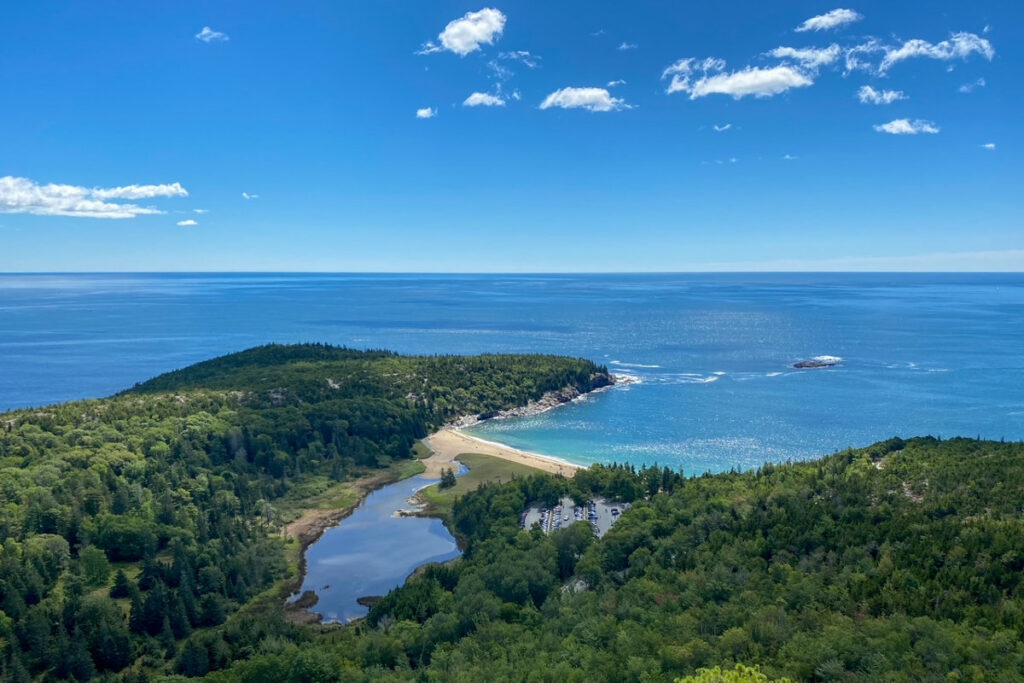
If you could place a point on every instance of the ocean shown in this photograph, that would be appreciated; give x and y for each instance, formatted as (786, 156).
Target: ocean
(938, 354)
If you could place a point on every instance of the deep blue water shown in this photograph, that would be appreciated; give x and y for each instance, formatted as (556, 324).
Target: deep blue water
(373, 551)
(924, 354)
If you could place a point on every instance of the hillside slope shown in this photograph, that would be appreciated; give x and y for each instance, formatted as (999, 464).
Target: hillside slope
(131, 522)
(898, 562)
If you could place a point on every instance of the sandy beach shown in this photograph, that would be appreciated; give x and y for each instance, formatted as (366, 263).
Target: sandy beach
(448, 443)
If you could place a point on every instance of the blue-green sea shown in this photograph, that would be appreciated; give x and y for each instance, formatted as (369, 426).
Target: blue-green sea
(922, 353)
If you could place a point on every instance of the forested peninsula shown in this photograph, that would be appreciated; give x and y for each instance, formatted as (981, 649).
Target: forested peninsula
(141, 541)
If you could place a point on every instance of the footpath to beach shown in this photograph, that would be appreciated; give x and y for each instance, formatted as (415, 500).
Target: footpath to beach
(449, 443)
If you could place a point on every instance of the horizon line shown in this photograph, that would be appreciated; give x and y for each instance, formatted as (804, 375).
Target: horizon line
(510, 272)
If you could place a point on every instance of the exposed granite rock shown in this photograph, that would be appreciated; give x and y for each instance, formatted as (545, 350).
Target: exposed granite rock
(552, 399)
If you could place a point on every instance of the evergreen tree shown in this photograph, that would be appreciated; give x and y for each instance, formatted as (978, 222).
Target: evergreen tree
(122, 586)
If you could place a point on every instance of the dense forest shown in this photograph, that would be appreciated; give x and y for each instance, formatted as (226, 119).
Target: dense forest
(898, 562)
(134, 526)
(141, 542)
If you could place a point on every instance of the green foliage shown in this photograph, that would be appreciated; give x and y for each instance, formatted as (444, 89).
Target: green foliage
(447, 479)
(899, 562)
(177, 480)
(739, 674)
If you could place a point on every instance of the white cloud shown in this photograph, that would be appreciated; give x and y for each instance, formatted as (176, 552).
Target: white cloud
(860, 57)
(591, 99)
(833, 19)
(808, 57)
(21, 195)
(478, 99)
(426, 113)
(868, 95)
(187, 223)
(789, 157)
(721, 129)
(501, 72)
(756, 81)
(468, 33)
(989, 145)
(969, 87)
(531, 61)
(246, 195)
(200, 210)
(907, 127)
(141, 191)
(959, 46)
(627, 46)
(208, 35)
(612, 84)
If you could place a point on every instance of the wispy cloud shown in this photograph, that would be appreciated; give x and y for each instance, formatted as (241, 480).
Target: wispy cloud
(246, 195)
(482, 99)
(989, 145)
(208, 35)
(620, 81)
(970, 87)
(502, 72)
(789, 157)
(200, 210)
(700, 78)
(876, 57)
(426, 113)
(723, 128)
(868, 95)
(591, 99)
(187, 223)
(626, 46)
(466, 34)
(907, 127)
(808, 57)
(524, 57)
(959, 46)
(829, 20)
(21, 195)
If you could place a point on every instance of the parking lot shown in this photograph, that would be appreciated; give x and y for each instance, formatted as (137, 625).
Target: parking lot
(601, 514)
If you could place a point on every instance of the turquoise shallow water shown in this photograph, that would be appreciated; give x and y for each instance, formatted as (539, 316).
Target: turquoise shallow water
(923, 354)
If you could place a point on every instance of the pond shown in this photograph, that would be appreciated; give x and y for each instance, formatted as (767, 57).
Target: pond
(372, 551)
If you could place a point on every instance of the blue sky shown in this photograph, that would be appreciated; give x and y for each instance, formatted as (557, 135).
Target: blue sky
(339, 136)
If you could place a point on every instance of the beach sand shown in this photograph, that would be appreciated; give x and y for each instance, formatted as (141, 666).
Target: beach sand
(448, 443)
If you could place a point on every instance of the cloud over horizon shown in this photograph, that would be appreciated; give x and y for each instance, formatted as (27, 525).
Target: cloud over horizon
(22, 195)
